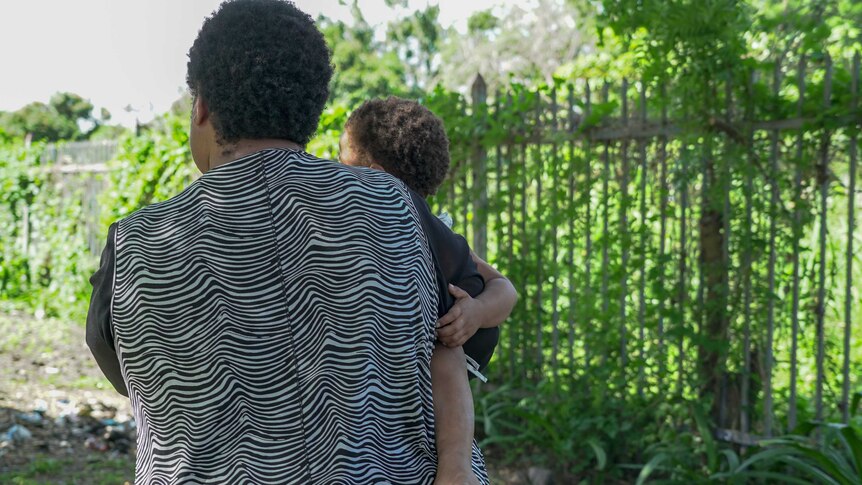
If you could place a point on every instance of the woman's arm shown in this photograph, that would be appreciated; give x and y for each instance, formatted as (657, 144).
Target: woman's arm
(453, 411)
(453, 402)
(489, 309)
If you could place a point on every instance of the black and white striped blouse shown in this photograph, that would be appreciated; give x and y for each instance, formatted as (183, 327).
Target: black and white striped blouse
(274, 323)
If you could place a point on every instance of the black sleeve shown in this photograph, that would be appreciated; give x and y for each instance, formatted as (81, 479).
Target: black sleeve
(451, 255)
(454, 265)
(100, 336)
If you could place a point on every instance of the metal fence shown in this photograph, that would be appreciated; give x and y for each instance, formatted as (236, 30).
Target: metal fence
(695, 257)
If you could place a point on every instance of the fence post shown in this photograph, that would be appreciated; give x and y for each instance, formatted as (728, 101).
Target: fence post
(480, 169)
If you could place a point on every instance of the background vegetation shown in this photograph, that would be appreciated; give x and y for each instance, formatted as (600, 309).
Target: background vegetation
(563, 392)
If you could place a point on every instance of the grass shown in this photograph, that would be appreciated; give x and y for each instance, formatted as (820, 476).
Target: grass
(35, 344)
(35, 337)
(98, 471)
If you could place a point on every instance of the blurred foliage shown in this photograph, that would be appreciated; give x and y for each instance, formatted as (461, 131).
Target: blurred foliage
(581, 416)
(365, 68)
(66, 117)
(44, 256)
(417, 39)
(40, 253)
(528, 44)
(149, 168)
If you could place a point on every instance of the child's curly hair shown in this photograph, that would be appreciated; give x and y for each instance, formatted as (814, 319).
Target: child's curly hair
(405, 138)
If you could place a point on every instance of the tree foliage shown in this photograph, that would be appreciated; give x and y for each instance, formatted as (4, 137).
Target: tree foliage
(67, 116)
(581, 415)
(517, 44)
(417, 39)
(364, 67)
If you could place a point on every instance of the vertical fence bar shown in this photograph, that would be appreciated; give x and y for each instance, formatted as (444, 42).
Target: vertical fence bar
(797, 235)
(823, 176)
(683, 290)
(555, 222)
(701, 313)
(588, 221)
(773, 234)
(452, 204)
(727, 184)
(540, 273)
(467, 203)
(746, 264)
(606, 175)
(525, 355)
(480, 170)
(500, 228)
(643, 246)
(572, 215)
(624, 237)
(851, 224)
(664, 194)
(511, 188)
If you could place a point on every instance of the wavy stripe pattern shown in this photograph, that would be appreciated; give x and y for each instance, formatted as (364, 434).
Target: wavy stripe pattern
(274, 324)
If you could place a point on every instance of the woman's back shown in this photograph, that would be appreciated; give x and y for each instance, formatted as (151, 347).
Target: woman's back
(274, 323)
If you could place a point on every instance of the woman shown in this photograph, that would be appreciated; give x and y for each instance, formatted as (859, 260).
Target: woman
(274, 322)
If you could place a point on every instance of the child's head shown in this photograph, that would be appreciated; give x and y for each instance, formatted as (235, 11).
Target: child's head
(401, 137)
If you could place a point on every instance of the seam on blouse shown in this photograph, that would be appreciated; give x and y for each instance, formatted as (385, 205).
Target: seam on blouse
(263, 167)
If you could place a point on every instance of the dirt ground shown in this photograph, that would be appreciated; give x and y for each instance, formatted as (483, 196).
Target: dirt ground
(60, 420)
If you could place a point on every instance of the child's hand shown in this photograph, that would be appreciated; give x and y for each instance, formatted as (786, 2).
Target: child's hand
(462, 320)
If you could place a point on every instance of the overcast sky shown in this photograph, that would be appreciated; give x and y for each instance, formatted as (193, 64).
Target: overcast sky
(132, 52)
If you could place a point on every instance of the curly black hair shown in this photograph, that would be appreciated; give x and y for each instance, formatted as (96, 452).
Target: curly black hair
(405, 138)
(263, 68)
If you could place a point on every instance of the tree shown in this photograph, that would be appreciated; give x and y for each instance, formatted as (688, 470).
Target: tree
(364, 68)
(526, 45)
(417, 40)
(67, 116)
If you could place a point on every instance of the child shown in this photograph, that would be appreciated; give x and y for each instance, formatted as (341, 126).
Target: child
(407, 140)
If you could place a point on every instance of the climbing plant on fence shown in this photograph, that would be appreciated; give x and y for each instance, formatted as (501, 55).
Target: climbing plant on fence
(663, 250)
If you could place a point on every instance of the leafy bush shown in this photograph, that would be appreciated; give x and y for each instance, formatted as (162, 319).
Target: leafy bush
(579, 432)
(823, 453)
(45, 256)
(41, 261)
(149, 168)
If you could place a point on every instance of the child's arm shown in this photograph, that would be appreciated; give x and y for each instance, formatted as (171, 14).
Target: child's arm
(453, 411)
(488, 309)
